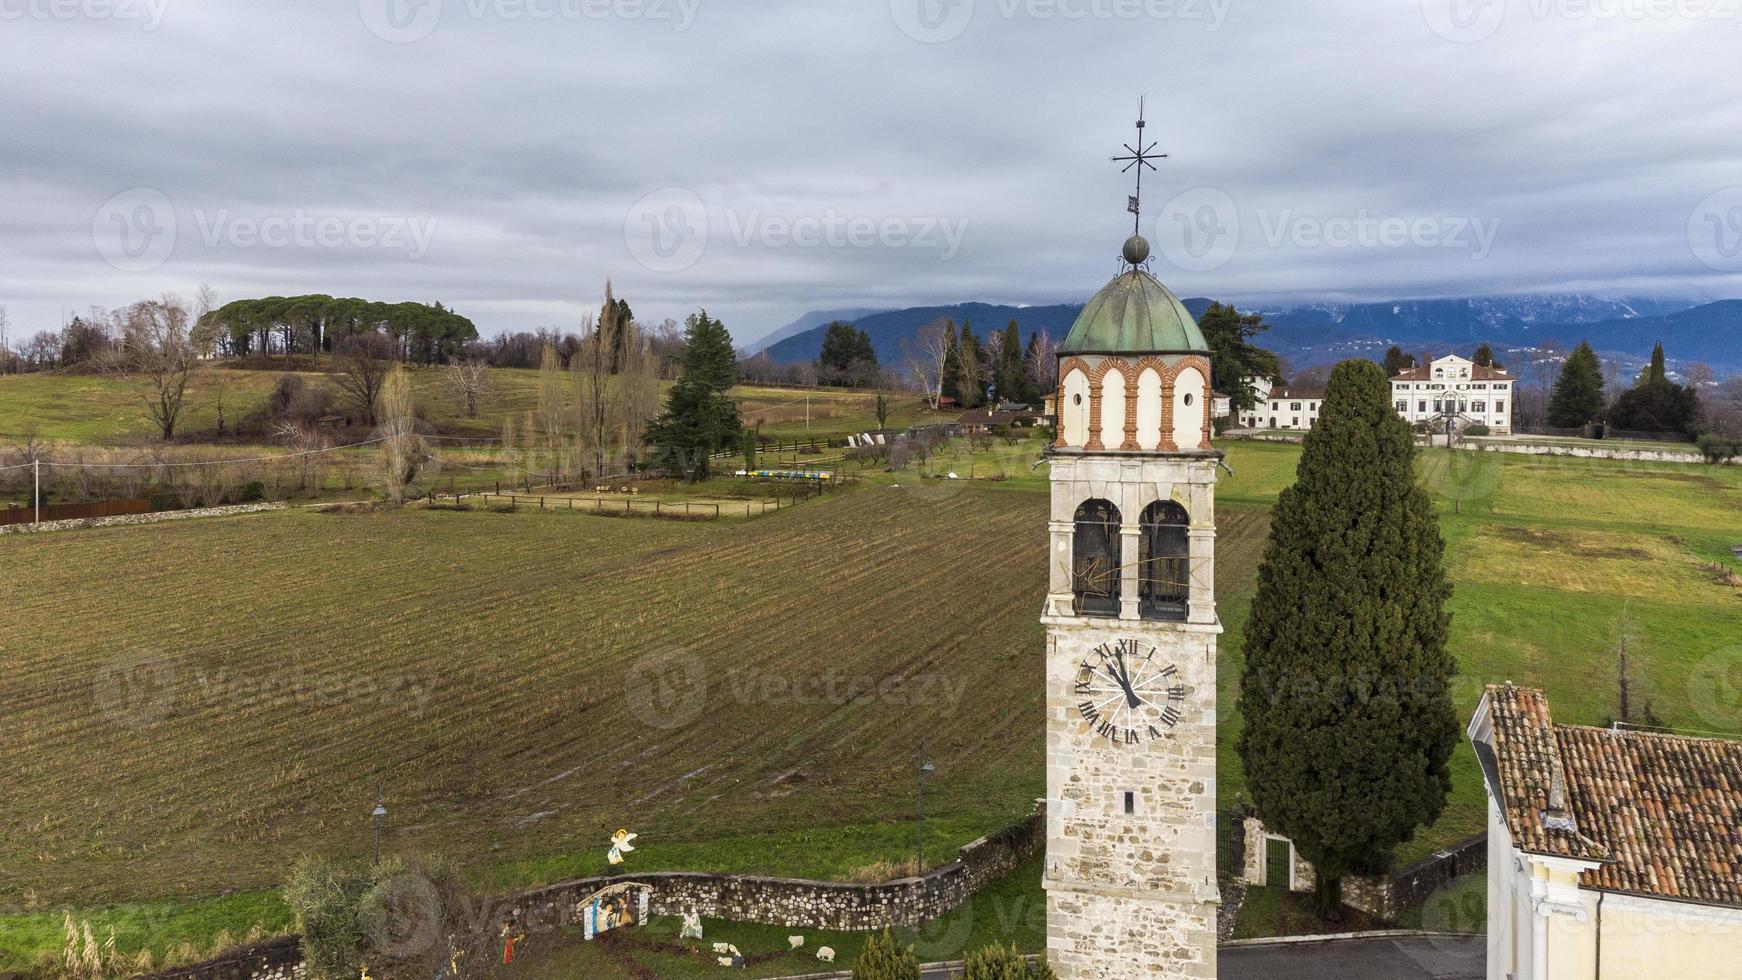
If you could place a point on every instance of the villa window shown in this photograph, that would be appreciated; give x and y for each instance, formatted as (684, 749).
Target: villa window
(1403, 406)
(1095, 559)
(1164, 578)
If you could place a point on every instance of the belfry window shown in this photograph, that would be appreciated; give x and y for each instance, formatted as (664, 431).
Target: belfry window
(1164, 575)
(1095, 559)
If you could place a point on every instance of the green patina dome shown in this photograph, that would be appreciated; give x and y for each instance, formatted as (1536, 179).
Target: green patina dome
(1135, 314)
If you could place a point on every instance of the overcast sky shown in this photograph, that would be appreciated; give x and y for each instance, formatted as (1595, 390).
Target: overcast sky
(763, 158)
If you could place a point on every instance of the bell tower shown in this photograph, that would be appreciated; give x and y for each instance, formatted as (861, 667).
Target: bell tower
(1131, 629)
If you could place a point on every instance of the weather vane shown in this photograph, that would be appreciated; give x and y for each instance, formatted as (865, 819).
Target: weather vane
(1138, 156)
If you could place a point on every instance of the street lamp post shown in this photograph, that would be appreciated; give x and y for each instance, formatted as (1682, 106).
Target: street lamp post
(925, 769)
(379, 812)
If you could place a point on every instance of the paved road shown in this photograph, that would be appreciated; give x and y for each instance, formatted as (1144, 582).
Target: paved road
(1349, 959)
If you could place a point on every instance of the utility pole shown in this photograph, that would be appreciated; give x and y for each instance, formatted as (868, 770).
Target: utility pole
(925, 769)
(36, 469)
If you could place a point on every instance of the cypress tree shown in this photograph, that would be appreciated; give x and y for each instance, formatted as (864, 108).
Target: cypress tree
(951, 387)
(1396, 361)
(1348, 719)
(886, 959)
(1658, 373)
(970, 371)
(1578, 394)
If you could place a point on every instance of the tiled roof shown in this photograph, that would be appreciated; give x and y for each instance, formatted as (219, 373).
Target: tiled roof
(1477, 373)
(1662, 812)
(1669, 808)
(1297, 394)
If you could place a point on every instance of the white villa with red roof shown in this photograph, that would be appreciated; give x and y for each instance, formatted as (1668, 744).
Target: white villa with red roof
(1611, 854)
(1458, 389)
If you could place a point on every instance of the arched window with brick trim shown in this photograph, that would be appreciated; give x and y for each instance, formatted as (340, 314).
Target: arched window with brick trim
(1164, 571)
(1095, 559)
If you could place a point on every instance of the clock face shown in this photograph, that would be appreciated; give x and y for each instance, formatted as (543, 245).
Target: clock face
(1127, 694)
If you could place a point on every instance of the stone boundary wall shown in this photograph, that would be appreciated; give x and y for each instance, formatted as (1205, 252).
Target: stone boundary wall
(1596, 452)
(790, 902)
(1383, 897)
(152, 518)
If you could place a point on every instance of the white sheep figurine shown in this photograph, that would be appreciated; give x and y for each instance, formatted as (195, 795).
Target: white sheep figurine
(826, 954)
(796, 942)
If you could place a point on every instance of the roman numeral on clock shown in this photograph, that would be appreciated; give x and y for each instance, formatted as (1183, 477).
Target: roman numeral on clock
(1170, 716)
(1091, 713)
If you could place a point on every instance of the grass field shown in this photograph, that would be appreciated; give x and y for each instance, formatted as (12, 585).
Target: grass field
(193, 706)
(101, 409)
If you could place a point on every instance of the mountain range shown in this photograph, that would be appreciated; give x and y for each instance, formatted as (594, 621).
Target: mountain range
(1623, 330)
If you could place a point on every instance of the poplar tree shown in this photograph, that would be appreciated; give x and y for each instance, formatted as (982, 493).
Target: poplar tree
(1578, 395)
(1348, 719)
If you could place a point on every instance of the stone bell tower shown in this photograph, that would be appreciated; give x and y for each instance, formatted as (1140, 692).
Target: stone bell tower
(1131, 629)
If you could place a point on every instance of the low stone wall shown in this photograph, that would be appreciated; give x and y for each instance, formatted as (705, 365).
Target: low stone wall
(790, 902)
(1384, 897)
(275, 959)
(155, 517)
(1688, 455)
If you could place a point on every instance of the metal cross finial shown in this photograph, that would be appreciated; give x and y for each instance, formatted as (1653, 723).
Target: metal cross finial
(1138, 156)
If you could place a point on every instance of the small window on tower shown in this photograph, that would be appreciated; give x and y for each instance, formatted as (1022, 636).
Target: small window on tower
(1130, 802)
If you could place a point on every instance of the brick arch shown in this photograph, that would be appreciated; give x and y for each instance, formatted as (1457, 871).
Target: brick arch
(1066, 366)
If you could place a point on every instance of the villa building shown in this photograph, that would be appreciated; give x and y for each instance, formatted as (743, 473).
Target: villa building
(1456, 389)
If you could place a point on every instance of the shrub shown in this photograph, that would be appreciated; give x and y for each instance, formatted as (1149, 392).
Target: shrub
(1476, 430)
(1718, 448)
(886, 959)
(323, 898)
(1001, 963)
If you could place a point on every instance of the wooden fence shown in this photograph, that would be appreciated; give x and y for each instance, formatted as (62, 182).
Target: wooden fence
(74, 512)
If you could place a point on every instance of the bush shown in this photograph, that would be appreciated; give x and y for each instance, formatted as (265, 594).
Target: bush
(1476, 430)
(395, 912)
(1718, 448)
(1000, 963)
(886, 959)
(323, 898)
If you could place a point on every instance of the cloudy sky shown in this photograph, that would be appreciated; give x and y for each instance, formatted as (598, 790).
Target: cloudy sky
(762, 158)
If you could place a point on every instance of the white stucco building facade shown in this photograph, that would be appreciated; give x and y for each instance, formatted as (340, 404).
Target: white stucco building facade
(1457, 388)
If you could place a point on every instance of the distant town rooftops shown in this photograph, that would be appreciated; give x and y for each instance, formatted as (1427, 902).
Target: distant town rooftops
(1661, 813)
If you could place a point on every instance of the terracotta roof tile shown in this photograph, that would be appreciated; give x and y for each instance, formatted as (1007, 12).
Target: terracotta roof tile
(1663, 812)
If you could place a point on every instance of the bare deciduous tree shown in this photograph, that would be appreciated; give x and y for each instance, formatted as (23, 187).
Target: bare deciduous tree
(363, 360)
(469, 382)
(1042, 363)
(159, 350)
(402, 449)
(926, 364)
(597, 409)
(552, 423)
(638, 385)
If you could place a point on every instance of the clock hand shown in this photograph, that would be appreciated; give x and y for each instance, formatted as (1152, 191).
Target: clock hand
(1124, 679)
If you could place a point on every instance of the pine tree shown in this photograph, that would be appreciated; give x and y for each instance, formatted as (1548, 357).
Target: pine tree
(886, 959)
(1578, 394)
(1397, 362)
(1657, 404)
(1348, 719)
(1011, 379)
(1234, 357)
(1484, 357)
(699, 419)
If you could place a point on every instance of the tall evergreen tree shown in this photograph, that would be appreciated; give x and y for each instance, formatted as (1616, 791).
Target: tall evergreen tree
(1578, 394)
(1234, 358)
(951, 384)
(1348, 720)
(1397, 362)
(1011, 379)
(1484, 357)
(615, 322)
(699, 418)
(1657, 404)
(970, 368)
